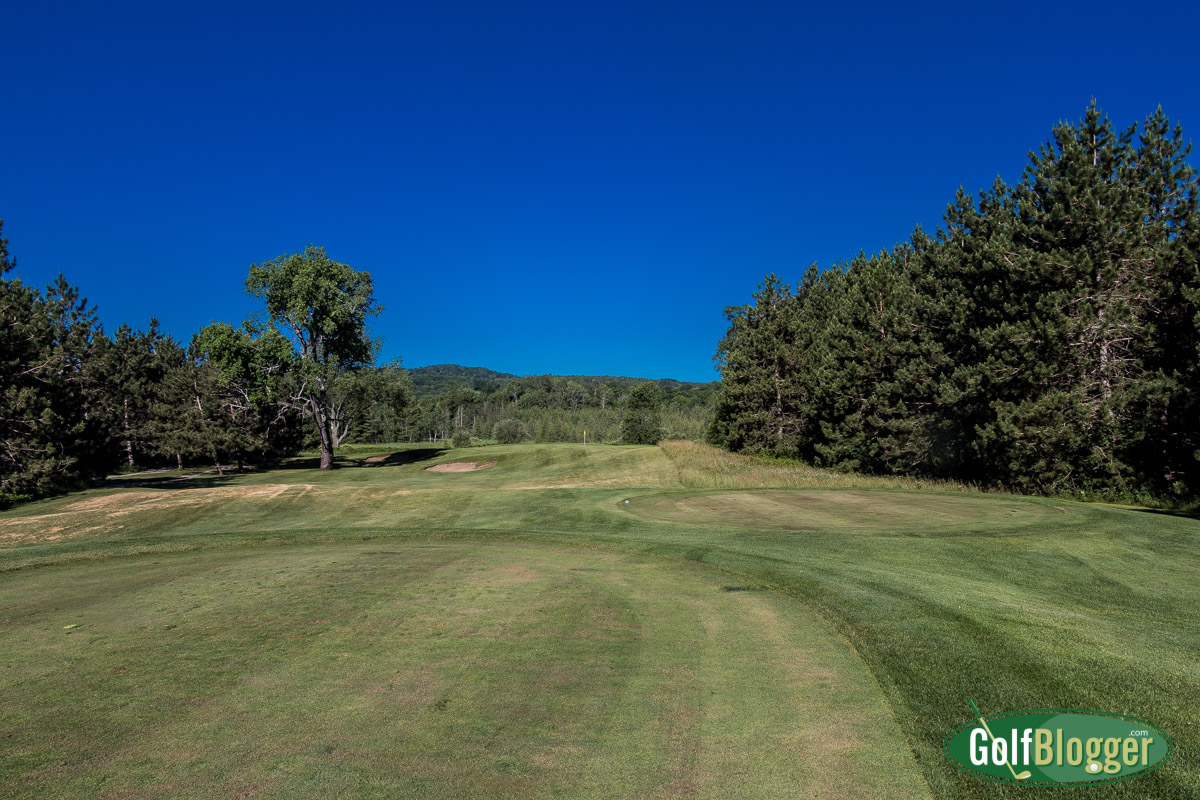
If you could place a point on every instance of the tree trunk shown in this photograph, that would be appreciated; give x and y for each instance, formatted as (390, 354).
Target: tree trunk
(326, 453)
(321, 417)
(128, 438)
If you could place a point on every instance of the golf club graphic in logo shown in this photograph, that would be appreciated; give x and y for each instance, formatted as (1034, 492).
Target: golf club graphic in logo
(1056, 747)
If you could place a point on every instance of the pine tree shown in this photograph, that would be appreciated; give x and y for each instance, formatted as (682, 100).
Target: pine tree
(1167, 405)
(880, 410)
(757, 363)
(49, 442)
(130, 366)
(1047, 338)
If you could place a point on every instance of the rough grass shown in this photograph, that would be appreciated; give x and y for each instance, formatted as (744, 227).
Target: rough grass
(702, 466)
(1016, 602)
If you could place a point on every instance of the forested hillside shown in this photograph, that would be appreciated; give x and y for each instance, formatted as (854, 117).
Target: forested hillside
(1044, 338)
(439, 378)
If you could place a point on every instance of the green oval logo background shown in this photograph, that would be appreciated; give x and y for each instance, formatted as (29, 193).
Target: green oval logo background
(1152, 746)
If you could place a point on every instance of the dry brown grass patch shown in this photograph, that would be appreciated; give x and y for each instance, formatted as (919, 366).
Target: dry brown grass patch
(82, 516)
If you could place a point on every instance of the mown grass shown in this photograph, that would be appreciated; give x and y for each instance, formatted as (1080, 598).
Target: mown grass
(1016, 602)
(416, 669)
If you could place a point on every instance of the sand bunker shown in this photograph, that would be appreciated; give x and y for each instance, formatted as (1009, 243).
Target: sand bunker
(460, 466)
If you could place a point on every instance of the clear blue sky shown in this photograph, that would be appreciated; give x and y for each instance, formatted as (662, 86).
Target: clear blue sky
(538, 187)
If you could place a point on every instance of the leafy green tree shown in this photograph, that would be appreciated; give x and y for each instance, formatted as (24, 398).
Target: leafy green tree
(642, 423)
(322, 306)
(509, 431)
(243, 388)
(378, 403)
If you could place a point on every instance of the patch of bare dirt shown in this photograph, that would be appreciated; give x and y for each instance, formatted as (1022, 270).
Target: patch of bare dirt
(114, 501)
(460, 466)
(125, 502)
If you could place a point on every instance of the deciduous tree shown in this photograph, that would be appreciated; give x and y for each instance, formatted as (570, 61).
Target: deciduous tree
(642, 423)
(322, 306)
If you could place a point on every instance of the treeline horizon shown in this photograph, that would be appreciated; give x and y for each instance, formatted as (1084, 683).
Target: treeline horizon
(438, 378)
(77, 404)
(1046, 338)
(552, 408)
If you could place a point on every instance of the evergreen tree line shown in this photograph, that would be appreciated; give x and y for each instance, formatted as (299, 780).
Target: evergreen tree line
(77, 404)
(546, 408)
(1044, 339)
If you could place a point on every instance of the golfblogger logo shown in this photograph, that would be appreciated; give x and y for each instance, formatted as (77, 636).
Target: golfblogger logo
(1056, 747)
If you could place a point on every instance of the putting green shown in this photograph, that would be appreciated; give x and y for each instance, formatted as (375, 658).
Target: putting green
(418, 669)
(844, 510)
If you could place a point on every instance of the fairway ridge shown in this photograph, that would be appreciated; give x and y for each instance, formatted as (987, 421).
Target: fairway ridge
(600, 622)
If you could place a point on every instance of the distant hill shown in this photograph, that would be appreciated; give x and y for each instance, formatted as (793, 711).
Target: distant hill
(437, 378)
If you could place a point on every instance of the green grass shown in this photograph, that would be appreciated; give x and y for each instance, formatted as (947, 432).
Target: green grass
(522, 631)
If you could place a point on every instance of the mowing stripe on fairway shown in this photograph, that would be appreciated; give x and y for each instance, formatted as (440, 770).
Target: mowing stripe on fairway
(409, 669)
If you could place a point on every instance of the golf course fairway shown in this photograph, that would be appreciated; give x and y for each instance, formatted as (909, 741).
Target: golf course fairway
(571, 622)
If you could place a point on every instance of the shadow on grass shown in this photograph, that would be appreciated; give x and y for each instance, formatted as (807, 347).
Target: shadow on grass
(1185, 514)
(406, 457)
(400, 457)
(200, 479)
(196, 481)
(208, 478)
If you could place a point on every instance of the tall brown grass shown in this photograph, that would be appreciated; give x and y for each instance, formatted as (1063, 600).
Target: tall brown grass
(702, 466)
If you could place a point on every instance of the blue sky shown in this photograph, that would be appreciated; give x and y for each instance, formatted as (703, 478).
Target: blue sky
(537, 187)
